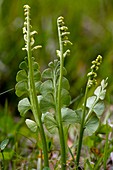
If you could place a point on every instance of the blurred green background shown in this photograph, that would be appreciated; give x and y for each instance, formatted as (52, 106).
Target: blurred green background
(90, 23)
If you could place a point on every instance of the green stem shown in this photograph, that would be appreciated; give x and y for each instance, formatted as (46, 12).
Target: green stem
(33, 96)
(2, 163)
(61, 131)
(106, 149)
(99, 162)
(81, 129)
(71, 154)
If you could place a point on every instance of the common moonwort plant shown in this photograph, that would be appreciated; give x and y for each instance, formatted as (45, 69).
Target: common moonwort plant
(93, 107)
(47, 95)
(28, 81)
(55, 95)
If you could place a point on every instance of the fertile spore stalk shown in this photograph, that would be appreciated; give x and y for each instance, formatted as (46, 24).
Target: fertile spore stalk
(29, 41)
(63, 40)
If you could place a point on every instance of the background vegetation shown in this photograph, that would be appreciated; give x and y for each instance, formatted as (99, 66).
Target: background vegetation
(91, 27)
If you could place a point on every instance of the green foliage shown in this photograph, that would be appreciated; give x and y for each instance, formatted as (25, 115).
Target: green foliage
(95, 108)
(3, 144)
(49, 88)
(8, 154)
(100, 156)
(68, 116)
(91, 125)
(50, 122)
(22, 87)
(95, 103)
(24, 106)
(31, 125)
(46, 168)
